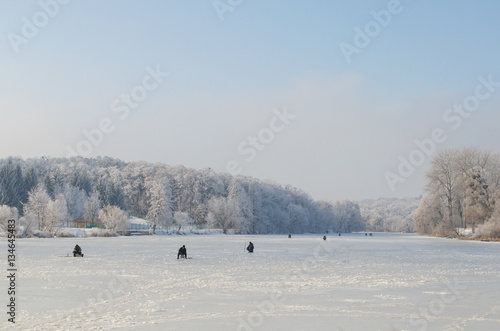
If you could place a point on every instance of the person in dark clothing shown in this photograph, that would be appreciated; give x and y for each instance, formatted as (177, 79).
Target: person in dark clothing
(250, 247)
(289, 236)
(324, 237)
(77, 251)
(182, 252)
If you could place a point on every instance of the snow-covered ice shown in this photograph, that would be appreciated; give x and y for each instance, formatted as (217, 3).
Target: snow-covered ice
(352, 282)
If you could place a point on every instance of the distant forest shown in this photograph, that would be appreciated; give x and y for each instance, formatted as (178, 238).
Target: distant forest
(45, 193)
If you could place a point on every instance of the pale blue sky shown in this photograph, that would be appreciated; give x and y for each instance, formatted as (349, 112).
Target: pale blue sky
(353, 119)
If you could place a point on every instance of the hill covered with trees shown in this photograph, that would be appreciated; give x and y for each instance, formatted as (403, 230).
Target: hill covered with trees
(48, 192)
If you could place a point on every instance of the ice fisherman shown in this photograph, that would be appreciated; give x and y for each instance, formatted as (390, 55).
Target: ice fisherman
(250, 247)
(324, 237)
(182, 252)
(77, 251)
(289, 236)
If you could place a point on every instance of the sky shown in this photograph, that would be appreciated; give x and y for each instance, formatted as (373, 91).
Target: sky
(342, 99)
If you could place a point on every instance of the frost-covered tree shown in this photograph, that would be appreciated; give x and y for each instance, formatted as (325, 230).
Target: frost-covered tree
(182, 219)
(491, 228)
(257, 223)
(12, 191)
(160, 209)
(92, 207)
(442, 181)
(75, 199)
(245, 204)
(461, 182)
(348, 216)
(427, 218)
(211, 221)
(469, 160)
(135, 189)
(113, 218)
(223, 210)
(326, 218)
(242, 204)
(110, 188)
(30, 178)
(36, 207)
(389, 214)
(7, 213)
(298, 218)
(477, 202)
(56, 214)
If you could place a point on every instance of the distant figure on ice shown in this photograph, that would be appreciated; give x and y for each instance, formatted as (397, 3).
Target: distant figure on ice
(289, 236)
(339, 234)
(324, 237)
(250, 247)
(182, 252)
(77, 251)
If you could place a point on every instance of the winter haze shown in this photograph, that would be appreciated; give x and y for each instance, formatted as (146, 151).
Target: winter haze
(189, 82)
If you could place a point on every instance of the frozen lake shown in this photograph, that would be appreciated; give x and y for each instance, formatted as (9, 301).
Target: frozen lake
(352, 282)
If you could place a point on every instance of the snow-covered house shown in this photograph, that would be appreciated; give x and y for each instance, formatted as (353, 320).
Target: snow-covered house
(137, 224)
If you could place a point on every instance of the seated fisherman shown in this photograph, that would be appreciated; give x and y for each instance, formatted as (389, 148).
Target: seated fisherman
(77, 251)
(182, 252)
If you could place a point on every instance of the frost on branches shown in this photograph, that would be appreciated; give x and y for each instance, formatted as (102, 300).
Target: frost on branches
(463, 194)
(50, 193)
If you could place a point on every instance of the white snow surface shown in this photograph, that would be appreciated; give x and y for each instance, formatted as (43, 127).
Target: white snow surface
(352, 282)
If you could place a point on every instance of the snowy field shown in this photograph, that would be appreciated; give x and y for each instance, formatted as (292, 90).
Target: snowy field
(352, 282)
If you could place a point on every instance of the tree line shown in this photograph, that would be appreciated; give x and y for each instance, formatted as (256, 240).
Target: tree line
(389, 214)
(46, 193)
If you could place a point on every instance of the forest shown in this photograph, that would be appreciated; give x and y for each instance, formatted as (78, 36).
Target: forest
(389, 214)
(46, 193)
(462, 198)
